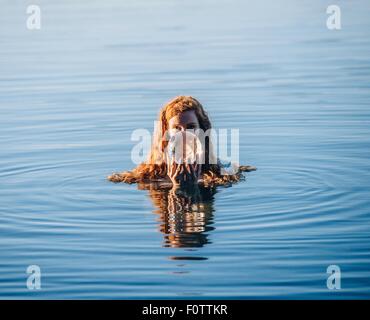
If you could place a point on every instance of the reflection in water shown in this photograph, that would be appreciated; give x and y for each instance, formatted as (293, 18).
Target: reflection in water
(185, 215)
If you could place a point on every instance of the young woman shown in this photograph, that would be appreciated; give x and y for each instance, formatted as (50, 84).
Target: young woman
(180, 114)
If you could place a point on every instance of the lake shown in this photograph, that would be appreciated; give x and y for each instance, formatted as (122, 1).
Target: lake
(72, 93)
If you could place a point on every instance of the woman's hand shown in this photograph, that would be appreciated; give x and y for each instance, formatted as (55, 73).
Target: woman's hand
(183, 174)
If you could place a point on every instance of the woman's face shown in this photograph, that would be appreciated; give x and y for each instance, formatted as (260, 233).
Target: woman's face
(184, 121)
(183, 173)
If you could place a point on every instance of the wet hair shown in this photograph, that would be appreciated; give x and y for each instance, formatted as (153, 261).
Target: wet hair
(155, 168)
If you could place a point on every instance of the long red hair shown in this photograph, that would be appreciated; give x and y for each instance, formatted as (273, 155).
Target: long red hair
(155, 167)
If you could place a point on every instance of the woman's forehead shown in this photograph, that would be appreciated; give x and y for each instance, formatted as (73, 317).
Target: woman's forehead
(184, 117)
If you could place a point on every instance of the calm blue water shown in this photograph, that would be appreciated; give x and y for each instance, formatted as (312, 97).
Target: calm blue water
(72, 93)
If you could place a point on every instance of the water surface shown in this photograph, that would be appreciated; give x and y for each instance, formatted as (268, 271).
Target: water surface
(72, 93)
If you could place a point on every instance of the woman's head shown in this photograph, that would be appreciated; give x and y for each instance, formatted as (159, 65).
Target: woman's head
(180, 114)
(184, 112)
